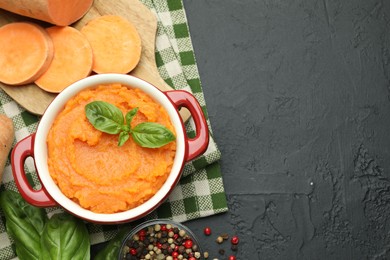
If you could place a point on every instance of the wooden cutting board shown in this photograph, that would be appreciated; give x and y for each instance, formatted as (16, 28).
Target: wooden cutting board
(35, 100)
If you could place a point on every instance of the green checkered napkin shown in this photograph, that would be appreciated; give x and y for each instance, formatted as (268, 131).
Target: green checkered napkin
(200, 192)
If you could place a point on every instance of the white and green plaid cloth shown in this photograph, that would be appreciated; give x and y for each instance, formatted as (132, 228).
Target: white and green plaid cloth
(200, 192)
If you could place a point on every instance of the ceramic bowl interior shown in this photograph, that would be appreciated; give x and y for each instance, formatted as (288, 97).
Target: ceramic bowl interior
(40, 148)
(152, 223)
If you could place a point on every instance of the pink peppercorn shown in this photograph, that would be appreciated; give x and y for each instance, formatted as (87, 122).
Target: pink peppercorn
(133, 251)
(207, 231)
(188, 243)
(232, 257)
(142, 233)
(234, 240)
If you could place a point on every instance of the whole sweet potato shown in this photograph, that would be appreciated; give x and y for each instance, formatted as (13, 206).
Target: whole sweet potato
(6, 139)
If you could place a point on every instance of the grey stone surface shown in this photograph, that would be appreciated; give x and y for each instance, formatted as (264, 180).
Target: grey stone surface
(298, 98)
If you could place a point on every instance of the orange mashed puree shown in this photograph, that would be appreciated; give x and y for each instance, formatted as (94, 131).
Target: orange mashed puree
(90, 168)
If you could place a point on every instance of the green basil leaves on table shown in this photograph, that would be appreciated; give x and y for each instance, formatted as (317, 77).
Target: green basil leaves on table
(24, 223)
(111, 249)
(37, 237)
(109, 119)
(65, 237)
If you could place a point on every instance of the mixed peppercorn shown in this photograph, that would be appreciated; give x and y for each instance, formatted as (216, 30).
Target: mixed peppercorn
(170, 242)
(161, 242)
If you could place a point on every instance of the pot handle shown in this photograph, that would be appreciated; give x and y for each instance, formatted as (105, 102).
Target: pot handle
(22, 150)
(198, 144)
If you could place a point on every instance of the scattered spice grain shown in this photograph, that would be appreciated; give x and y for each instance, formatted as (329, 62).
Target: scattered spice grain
(207, 231)
(235, 240)
(219, 240)
(225, 236)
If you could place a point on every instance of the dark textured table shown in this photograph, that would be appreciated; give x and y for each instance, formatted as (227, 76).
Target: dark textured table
(298, 97)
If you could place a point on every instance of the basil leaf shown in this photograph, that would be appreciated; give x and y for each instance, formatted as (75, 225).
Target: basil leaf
(123, 137)
(104, 117)
(109, 119)
(152, 135)
(65, 237)
(111, 250)
(130, 115)
(24, 223)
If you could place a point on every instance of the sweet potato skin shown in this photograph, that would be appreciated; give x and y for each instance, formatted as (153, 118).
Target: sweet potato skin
(57, 12)
(6, 140)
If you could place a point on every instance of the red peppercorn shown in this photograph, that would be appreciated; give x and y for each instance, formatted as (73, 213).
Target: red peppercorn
(207, 231)
(175, 254)
(133, 251)
(175, 236)
(176, 248)
(159, 245)
(163, 227)
(188, 243)
(232, 257)
(192, 258)
(142, 233)
(234, 240)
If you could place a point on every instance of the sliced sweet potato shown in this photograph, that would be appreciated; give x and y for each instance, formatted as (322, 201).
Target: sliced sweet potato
(26, 52)
(58, 12)
(72, 59)
(115, 42)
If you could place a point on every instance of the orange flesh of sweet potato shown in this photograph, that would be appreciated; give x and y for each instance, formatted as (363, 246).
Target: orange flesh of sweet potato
(6, 140)
(72, 59)
(25, 54)
(58, 12)
(115, 42)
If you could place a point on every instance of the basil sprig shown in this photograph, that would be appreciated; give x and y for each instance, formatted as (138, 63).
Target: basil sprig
(109, 119)
(36, 237)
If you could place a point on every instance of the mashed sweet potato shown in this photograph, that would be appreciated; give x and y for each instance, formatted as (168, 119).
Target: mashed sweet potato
(90, 168)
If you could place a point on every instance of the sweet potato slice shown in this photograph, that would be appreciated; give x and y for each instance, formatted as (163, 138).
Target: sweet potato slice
(115, 42)
(72, 59)
(26, 52)
(58, 12)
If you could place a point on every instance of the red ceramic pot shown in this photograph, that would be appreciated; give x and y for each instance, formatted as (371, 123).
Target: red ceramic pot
(35, 146)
